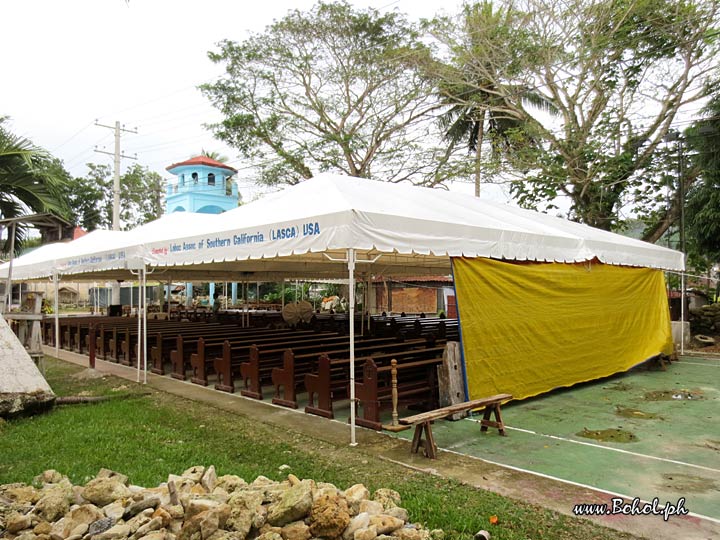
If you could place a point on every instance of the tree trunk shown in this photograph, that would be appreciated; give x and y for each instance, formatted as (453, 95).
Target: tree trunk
(478, 152)
(656, 232)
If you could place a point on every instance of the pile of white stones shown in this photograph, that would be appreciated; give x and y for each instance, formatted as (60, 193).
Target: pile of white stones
(199, 505)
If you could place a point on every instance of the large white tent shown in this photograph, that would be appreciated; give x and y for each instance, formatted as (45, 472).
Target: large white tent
(328, 225)
(297, 232)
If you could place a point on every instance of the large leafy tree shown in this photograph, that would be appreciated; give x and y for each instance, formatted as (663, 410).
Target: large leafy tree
(618, 72)
(702, 210)
(29, 179)
(87, 198)
(142, 191)
(91, 198)
(331, 89)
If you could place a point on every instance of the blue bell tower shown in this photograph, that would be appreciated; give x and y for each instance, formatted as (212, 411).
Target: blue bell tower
(202, 185)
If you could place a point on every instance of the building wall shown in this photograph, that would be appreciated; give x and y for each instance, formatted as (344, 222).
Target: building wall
(407, 298)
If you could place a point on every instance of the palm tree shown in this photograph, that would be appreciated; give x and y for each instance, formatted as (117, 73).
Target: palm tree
(475, 99)
(29, 179)
(217, 156)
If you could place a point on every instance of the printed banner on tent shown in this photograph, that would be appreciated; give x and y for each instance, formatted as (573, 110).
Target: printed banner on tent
(528, 328)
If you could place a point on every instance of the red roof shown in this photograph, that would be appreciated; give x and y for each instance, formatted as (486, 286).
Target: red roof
(201, 160)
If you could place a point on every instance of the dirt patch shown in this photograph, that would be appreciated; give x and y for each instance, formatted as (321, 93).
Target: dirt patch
(627, 412)
(685, 483)
(711, 444)
(619, 387)
(88, 374)
(608, 435)
(673, 395)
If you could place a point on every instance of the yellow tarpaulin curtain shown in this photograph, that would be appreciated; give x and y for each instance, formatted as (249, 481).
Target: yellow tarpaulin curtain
(530, 327)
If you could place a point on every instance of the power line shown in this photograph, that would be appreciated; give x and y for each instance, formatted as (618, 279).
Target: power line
(78, 132)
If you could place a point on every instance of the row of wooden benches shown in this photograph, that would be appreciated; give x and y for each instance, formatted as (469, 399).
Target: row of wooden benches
(302, 361)
(116, 342)
(290, 361)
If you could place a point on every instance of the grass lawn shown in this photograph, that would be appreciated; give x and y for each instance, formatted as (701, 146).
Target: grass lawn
(151, 435)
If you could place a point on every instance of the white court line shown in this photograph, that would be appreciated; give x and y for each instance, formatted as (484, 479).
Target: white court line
(620, 450)
(558, 479)
(699, 364)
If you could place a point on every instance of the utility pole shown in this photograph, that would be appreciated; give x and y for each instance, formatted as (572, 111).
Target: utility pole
(116, 187)
(676, 136)
(116, 176)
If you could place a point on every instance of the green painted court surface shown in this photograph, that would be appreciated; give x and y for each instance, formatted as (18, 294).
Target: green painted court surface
(644, 433)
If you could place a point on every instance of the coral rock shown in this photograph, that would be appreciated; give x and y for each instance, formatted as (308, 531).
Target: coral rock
(355, 494)
(329, 516)
(43, 528)
(51, 476)
(22, 494)
(107, 473)
(369, 533)
(17, 522)
(293, 504)
(371, 507)
(398, 512)
(53, 506)
(389, 498)
(209, 479)
(361, 521)
(103, 491)
(297, 530)
(230, 483)
(194, 473)
(410, 533)
(386, 524)
(243, 506)
(118, 531)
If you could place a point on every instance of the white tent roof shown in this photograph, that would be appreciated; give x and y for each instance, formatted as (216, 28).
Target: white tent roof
(415, 226)
(105, 251)
(297, 231)
(75, 255)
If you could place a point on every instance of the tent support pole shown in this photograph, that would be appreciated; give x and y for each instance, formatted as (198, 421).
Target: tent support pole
(350, 260)
(141, 312)
(8, 284)
(682, 313)
(362, 313)
(56, 308)
(144, 334)
(282, 294)
(351, 284)
(367, 299)
(142, 301)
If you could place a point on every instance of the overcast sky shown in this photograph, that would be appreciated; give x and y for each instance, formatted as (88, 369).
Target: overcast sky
(66, 64)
